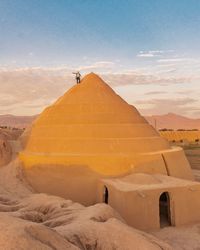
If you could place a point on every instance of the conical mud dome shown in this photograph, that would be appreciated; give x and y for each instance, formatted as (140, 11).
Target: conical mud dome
(91, 120)
(91, 129)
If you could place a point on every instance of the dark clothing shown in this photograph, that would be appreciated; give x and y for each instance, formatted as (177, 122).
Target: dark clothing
(78, 79)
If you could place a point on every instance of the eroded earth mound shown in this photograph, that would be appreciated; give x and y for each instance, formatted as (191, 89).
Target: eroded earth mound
(41, 221)
(5, 149)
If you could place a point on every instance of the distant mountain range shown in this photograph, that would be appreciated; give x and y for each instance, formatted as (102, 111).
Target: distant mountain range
(16, 121)
(173, 121)
(169, 121)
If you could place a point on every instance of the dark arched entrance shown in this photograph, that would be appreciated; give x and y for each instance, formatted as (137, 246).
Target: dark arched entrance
(164, 210)
(105, 195)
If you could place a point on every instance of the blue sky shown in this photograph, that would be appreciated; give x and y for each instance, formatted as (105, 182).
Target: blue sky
(67, 31)
(154, 43)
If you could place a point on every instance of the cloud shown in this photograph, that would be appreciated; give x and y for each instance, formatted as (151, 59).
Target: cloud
(155, 93)
(163, 106)
(175, 60)
(116, 79)
(146, 55)
(153, 53)
(185, 92)
(179, 101)
(28, 90)
(98, 65)
(28, 87)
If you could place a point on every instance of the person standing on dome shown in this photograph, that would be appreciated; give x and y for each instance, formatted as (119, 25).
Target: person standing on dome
(78, 77)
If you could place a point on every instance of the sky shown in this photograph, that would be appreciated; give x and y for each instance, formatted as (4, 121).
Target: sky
(148, 51)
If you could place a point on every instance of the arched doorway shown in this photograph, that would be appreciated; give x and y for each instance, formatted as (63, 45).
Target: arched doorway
(105, 195)
(164, 210)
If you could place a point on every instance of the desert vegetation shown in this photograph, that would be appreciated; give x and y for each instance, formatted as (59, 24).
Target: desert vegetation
(191, 136)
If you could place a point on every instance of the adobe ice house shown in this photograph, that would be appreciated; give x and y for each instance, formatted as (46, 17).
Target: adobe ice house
(91, 146)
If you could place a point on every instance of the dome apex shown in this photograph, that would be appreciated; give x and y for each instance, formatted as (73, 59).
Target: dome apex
(93, 79)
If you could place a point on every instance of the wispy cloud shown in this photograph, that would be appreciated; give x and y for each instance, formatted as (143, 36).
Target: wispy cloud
(162, 106)
(176, 102)
(155, 93)
(153, 53)
(29, 90)
(147, 55)
(103, 65)
(176, 60)
(116, 79)
(23, 88)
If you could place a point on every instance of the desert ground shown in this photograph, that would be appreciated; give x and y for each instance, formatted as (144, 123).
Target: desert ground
(31, 220)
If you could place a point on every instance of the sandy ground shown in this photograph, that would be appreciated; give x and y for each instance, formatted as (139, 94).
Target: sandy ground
(193, 156)
(186, 238)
